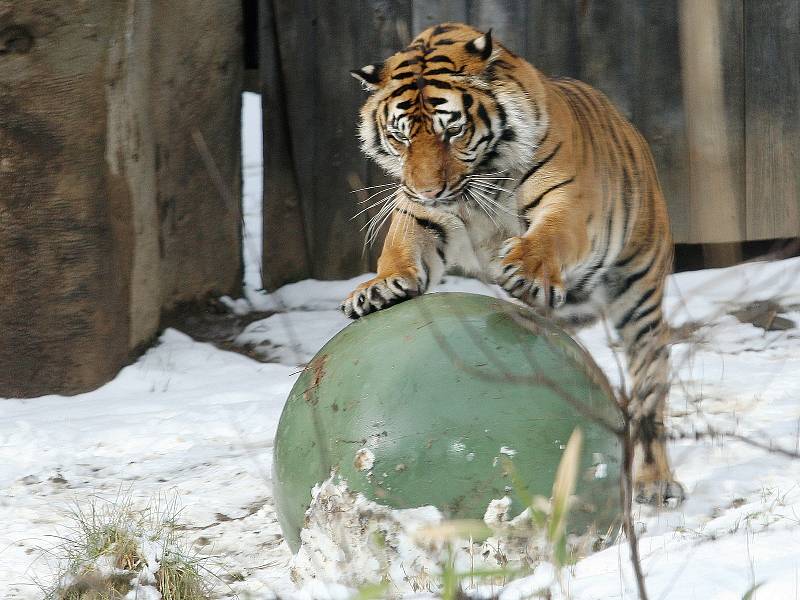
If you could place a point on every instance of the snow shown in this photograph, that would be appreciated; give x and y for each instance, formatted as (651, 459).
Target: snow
(252, 186)
(292, 337)
(354, 542)
(186, 418)
(338, 545)
(197, 421)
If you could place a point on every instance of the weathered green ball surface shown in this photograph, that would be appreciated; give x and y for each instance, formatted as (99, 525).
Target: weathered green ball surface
(444, 390)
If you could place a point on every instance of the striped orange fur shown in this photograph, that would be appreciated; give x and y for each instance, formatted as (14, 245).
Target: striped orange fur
(537, 184)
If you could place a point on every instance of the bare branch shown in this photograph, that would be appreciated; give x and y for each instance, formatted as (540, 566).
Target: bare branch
(712, 433)
(626, 488)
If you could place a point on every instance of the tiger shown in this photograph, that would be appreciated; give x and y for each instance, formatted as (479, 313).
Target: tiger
(537, 184)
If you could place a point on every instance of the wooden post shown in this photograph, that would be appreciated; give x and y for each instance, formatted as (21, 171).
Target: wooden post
(717, 213)
(196, 101)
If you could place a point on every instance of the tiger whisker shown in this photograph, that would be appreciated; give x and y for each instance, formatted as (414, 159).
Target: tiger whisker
(485, 183)
(375, 194)
(488, 186)
(378, 221)
(497, 182)
(375, 224)
(393, 224)
(401, 206)
(372, 187)
(386, 208)
(372, 234)
(482, 200)
(376, 203)
(476, 185)
(492, 186)
(492, 173)
(484, 208)
(499, 207)
(489, 213)
(492, 201)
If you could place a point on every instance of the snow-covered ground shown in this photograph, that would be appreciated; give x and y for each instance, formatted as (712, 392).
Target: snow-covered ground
(196, 421)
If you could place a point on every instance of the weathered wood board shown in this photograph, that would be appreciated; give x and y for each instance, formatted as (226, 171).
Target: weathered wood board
(772, 113)
(109, 212)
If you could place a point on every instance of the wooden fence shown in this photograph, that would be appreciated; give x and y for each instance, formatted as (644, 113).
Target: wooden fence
(712, 84)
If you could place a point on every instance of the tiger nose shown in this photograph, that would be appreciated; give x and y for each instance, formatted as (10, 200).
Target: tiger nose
(431, 193)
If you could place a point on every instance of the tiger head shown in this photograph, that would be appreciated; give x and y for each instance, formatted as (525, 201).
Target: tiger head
(452, 104)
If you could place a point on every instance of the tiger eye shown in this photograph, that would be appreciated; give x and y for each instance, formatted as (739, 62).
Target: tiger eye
(398, 135)
(454, 131)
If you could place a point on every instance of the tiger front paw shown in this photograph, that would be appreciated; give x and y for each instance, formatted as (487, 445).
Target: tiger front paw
(661, 492)
(380, 292)
(654, 482)
(529, 271)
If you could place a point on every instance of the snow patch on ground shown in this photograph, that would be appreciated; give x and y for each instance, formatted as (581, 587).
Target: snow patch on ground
(292, 337)
(702, 296)
(194, 419)
(353, 542)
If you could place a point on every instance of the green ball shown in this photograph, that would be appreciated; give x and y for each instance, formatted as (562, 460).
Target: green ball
(449, 400)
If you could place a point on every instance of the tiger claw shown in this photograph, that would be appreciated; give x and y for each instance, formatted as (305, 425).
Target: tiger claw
(660, 493)
(379, 293)
(529, 274)
(559, 296)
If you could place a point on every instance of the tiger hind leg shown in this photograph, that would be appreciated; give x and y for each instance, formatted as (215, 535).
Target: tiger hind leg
(645, 337)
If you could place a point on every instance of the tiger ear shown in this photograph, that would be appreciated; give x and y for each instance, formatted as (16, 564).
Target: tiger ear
(481, 46)
(371, 76)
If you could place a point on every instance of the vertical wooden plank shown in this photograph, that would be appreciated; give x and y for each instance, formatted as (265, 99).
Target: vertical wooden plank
(658, 109)
(716, 214)
(198, 166)
(712, 212)
(365, 33)
(732, 48)
(285, 253)
(772, 80)
(630, 50)
(426, 13)
(552, 37)
(506, 19)
(295, 28)
(610, 39)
